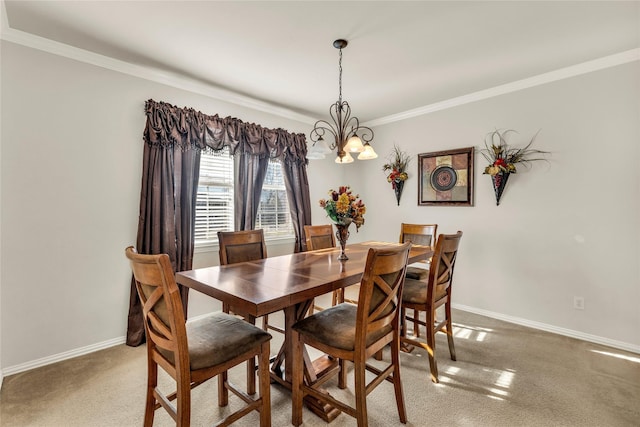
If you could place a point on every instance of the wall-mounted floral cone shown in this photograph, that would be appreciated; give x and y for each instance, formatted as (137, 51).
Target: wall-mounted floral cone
(499, 182)
(398, 190)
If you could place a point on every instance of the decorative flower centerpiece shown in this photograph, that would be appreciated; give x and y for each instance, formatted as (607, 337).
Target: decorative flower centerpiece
(503, 159)
(344, 208)
(398, 163)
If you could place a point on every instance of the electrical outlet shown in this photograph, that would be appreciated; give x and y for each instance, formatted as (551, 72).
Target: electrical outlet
(578, 303)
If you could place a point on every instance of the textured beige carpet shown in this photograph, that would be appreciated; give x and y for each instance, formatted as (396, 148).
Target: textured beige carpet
(506, 375)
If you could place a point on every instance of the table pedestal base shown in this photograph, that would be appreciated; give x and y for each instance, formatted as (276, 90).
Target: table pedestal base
(325, 411)
(323, 368)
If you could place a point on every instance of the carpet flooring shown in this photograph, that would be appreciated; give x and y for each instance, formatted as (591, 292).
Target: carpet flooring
(505, 375)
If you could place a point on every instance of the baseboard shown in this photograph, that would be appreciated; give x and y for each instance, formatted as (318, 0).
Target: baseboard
(550, 328)
(11, 370)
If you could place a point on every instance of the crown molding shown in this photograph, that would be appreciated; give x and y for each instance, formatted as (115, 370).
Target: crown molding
(191, 85)
(552, 76)
(147, 73)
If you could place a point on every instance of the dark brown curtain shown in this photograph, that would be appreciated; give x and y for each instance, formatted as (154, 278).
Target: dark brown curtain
(167, 216)
(297, 185)
(174, 138)
(250, 172)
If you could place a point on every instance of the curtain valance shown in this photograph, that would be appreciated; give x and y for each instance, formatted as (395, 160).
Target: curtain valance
(168, 125)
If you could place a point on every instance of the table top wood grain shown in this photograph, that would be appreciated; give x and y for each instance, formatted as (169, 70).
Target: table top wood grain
(272, 284)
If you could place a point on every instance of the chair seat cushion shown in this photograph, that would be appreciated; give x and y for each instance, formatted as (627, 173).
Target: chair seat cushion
(218, 338)
(417, 273)
(415, 292)
(336, 327)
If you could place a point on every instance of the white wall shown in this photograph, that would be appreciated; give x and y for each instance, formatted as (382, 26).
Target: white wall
(1, 365)
(563, 229)
(70, 181)
(71, 173)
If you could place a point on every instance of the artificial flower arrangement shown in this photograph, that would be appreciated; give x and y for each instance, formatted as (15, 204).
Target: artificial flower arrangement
(502, 158)
(398, 162)
(344, 207)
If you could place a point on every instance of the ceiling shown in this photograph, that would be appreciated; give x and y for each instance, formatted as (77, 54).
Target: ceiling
(401, 55)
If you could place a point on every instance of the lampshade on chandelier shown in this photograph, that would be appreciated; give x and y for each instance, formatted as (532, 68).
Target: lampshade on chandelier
(346, 130)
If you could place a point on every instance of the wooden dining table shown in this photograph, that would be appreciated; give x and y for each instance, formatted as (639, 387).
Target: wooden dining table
(289, 283)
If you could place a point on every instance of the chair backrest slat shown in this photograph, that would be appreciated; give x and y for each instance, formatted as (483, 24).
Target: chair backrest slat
(442, 264)
(418, 234)
(241, 246)
(319, 237)
(381, 290)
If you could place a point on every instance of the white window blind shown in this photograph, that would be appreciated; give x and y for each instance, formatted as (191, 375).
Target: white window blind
(214, 202)
(273, 212)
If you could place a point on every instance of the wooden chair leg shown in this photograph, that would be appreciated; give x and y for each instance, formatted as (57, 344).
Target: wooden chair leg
(296, 380)
(152, 383)
(251, 363)
(431, 345)
(361, 394)
(265, 385)
(397, 383)
(183, 402)
(404, 346)
(416, 325)
(223, 392)
(251, 376)
(452, 349)
(342, 375)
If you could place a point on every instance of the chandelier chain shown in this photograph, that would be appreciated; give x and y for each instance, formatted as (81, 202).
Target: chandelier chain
(340, 78)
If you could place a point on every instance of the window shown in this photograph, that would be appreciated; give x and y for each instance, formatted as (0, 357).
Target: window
(214, 202)
(273, 211)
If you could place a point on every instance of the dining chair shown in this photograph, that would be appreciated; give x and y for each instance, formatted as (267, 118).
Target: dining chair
(192, 353)
(428, 295)
(418, 234)
(355, 333)
(321, 237)
(242, 246)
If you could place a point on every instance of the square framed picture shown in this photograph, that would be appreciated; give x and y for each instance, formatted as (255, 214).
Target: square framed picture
(446, 178)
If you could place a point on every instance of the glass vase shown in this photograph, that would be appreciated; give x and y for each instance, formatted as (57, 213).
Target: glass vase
(342, 233)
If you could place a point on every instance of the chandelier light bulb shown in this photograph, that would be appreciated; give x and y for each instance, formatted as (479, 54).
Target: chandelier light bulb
(346, 159)
(354, 145)
(367, 153)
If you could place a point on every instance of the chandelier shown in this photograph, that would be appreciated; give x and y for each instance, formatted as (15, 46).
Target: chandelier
(344, 129)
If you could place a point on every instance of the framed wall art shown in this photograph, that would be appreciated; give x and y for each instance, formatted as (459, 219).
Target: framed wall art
(446, 178)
